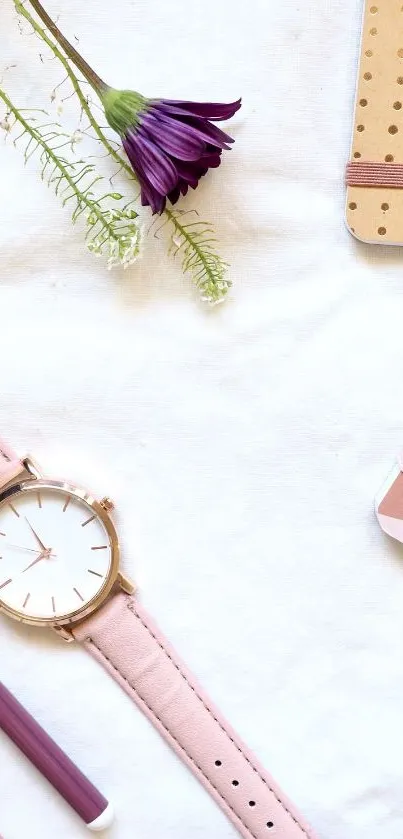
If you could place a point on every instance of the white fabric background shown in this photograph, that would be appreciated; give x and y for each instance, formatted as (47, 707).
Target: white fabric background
(242, 445)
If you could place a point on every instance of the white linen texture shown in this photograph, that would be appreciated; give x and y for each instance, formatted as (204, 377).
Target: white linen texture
(242, 445)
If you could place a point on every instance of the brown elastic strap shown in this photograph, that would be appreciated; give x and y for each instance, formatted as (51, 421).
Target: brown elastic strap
(369, 173)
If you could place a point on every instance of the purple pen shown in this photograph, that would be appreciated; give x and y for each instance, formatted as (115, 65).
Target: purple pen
(53, 763)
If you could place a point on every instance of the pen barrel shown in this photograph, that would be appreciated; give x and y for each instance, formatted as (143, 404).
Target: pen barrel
(51, 761)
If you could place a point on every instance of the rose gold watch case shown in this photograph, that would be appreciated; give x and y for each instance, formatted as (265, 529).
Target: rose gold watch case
(67, 620)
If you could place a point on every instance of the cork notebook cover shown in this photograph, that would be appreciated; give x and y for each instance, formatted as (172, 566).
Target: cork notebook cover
(374, 210)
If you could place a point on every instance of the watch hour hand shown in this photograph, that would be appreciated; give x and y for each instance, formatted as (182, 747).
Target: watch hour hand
(42, 555)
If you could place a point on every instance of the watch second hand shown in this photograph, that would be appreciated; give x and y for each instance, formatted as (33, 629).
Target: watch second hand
(23, 548)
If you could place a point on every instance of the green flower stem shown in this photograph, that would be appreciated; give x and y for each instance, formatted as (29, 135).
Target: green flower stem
(95, 81)
(192, 242)
(84, 200)
(23, 11)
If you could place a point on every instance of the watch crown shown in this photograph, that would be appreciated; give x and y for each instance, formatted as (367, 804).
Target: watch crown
(107, 504)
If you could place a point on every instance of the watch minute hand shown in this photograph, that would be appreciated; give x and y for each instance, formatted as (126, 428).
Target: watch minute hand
(43, 547)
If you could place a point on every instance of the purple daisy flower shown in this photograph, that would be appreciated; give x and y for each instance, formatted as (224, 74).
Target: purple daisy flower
(170, 144)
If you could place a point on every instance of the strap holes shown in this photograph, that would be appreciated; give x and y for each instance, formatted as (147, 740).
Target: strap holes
(357, 154)
(363, 103)
(218, 763)
(367, 77)
(352, 205)
(381, 231)
(393, 129)
(384, 207)
(252, 803)
(389, 157)
(269, 824)
(235, 783)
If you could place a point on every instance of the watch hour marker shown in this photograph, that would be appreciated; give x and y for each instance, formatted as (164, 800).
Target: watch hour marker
(88, 521)
(95, 573)
(39, 500)
(100, 548)
(78, 594)
(2, 534)
(67, 502)
(26, 600)
(7, 583)
(14, 510)
(53, 605)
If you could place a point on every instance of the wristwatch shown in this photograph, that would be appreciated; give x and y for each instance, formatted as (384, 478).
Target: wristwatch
(60, 569)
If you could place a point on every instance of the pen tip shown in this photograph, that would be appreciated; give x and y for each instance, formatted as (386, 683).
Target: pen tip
(104, 820)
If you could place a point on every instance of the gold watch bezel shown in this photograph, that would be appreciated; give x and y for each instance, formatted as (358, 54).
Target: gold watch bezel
(68, 620)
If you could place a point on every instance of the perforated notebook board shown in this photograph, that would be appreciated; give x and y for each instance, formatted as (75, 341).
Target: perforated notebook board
(375, 213)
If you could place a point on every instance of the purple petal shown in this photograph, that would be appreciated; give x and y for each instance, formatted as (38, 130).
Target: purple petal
(157, 167)
(208, 110)
(159, 204)
(210, 133)
(182, 187)
(188, 175)
(149, 195)
(192, 172)
(197, 128)
(171, 137)
(174, 195)
(212, 161)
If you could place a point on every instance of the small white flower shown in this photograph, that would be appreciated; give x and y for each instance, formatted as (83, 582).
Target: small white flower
(125, 250)
(215, 293)
(118, 240)
(76, 137)
(5, 125)
(95, 246)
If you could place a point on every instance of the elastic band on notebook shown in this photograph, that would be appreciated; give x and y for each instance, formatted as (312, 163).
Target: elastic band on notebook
(369, 173)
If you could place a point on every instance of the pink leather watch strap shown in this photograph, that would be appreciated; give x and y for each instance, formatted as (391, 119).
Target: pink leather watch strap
(10, 465)
(125, 640)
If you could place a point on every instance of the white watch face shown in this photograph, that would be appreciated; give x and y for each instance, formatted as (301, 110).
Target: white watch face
(55, 553)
